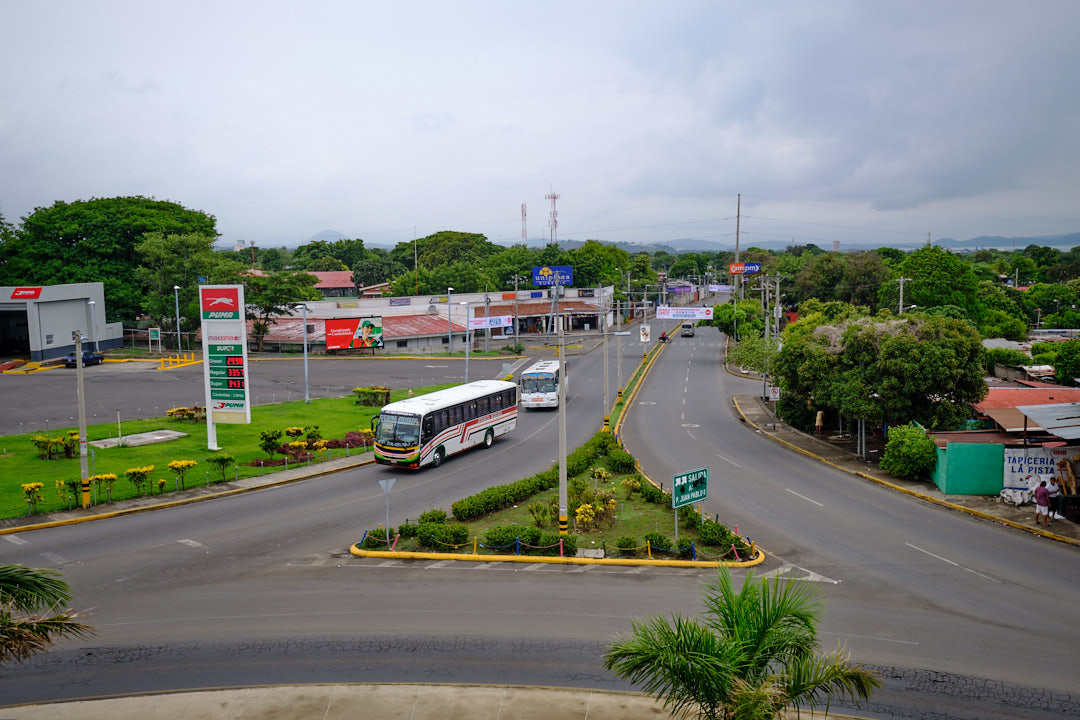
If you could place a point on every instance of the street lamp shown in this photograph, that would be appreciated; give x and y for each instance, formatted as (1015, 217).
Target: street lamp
(449, 322)
(307, 395)
(176, 295)
(467, 343)
(93, 323)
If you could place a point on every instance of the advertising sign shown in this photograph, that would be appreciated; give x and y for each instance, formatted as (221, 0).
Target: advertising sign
(721, 288)
(553, 275)
(26, 293)
(225, 360)
(495, 321)
(400, 301)
(644, 333)
(342, 333)
(689, 487)
(665, 312)
(1036, 461)
(744, 268)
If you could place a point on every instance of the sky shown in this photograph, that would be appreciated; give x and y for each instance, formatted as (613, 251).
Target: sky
(822, 121)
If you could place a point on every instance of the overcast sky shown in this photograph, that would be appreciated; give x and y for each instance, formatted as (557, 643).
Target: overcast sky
(880, 122)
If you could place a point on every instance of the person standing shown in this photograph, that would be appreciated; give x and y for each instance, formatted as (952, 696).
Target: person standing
(1053, 490)
(1042, 504)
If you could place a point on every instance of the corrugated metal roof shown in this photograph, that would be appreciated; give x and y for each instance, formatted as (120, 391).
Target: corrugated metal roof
(1012, 420)
(1060, 420)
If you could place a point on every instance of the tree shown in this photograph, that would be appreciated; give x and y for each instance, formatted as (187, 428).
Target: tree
(94, 240)
(1067, 362)
(376, 267)
(754, 654)
(166, 261)
(934, 277)
(909, 453)
(267, 296)
(30, 618)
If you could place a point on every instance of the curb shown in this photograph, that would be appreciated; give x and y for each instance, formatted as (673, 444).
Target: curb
(551, 560)
(899, 488)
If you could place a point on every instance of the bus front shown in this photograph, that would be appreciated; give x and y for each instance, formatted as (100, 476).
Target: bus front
(397, 439)
(539, 390)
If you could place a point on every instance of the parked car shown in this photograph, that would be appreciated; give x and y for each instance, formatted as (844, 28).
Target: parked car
(88, 358)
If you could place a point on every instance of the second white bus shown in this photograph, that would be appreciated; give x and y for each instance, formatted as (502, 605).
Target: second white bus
(426, 429)
(540, 385)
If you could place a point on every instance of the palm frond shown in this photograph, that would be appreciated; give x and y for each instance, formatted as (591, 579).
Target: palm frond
(21, 638)
(815, 682)
(29, 590)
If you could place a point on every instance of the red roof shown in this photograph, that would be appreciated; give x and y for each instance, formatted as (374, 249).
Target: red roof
(330, 279)
(1009, 397)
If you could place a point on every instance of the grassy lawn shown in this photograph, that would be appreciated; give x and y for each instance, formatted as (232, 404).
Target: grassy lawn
(20, 464)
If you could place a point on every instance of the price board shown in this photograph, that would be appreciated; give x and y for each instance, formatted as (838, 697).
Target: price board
(225, 359)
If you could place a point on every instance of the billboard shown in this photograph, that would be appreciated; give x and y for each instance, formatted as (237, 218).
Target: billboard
(225, 360)
(666, 312)
(481, 323)
(553, 275)
(342, 333)
(744, 268)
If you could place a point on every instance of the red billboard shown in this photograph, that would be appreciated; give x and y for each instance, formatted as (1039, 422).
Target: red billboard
(354, 333)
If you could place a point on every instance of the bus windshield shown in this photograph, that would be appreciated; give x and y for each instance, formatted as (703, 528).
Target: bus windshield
(540, 383)
(398, 430)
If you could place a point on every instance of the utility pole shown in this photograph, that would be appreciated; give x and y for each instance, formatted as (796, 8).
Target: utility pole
(516, 279)
(564, 515)
(84, 474)
(487, 331)
(738, 215)
(602, 315)
(902, 280)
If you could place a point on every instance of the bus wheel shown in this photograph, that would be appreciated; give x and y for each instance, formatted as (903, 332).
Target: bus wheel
(437, 458)
(489, 438)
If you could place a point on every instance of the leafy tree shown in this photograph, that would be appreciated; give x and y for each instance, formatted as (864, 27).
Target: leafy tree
(271, 260)
(1067, 362)
(377, 267)
(326, 264)
(1000, 324)
(909, 453)
(268, 296)
(308, 253)
(754, 654)
(936, 277)
(596, 264)
(30, 618)
(179, 260)
(95, 240)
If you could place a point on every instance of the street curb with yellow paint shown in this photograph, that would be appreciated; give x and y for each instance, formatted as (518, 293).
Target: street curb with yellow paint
(552, 560)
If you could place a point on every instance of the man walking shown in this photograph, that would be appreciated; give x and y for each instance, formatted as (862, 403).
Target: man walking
(1042, 504)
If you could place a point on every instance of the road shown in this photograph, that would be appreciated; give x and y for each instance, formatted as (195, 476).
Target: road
(260, 588)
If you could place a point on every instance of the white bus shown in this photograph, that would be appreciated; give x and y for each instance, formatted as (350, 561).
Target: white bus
(426, 429)
(540, 385)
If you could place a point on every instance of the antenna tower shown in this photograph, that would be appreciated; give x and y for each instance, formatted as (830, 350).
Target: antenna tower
(524, 232)
(554, 221)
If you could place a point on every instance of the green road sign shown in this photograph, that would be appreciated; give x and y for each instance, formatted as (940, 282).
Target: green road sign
(689, 487)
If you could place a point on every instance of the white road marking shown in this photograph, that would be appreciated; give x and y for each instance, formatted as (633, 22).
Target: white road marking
(15, 539)
(811, 576)
(191, 543)
(439, 564)
(729, 460)
(954, 564)
(535, 566)
(54, 558)
(804, 497)
(871, 637)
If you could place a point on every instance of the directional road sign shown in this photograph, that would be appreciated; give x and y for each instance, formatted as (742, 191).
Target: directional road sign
(689, 487)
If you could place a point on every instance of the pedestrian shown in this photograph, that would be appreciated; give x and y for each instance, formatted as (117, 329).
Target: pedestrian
(1042, 504)
(1054, 492)
(819, 421)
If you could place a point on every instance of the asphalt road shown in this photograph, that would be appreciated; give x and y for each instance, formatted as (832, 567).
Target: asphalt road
(260, 588)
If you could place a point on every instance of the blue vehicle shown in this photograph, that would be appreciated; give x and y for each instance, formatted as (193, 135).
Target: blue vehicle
(88, 358)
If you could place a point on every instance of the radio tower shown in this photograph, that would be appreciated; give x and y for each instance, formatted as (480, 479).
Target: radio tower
(554, 222)
(524, 232)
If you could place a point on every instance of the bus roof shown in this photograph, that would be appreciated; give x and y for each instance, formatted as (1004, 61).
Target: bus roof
(544, 366)
(439, 399)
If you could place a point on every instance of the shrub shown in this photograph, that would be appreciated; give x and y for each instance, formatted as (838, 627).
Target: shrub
(270, 441)
(501, 537)
(220, 461)
(627, 546)
(654, 495)
(312, 434)
(620, 461)
(375, 539)
(294, 432)
(689, 517)
(540, 514)
(408, 530)
(138, 476)
(684, 548)
(909, 453)
(442, 536)
(549, 544)
(631, 485)
(714, 534)
(658, 541)
(433, 516)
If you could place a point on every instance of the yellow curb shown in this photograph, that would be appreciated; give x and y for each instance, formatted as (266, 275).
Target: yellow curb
(178, 503)
(902, 489)
(551, 560)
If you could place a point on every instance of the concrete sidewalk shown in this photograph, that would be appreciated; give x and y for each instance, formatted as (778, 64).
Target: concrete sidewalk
(362, 702)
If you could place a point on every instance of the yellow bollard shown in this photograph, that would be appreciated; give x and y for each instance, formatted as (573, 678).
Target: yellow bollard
(86, 492)
(607, 423)
(475, 540)
(648, 548)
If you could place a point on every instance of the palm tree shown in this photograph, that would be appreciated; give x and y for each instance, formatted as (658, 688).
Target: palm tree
(752, 656)
(30, 618)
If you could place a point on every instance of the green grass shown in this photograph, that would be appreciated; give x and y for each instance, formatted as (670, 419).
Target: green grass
(20, 464)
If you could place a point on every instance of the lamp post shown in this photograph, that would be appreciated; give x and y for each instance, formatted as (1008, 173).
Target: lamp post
(307, 395)
(449, 322)
(84, 475)
(93, 323)
(487, 331)
(467, 343)
(176, 295)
